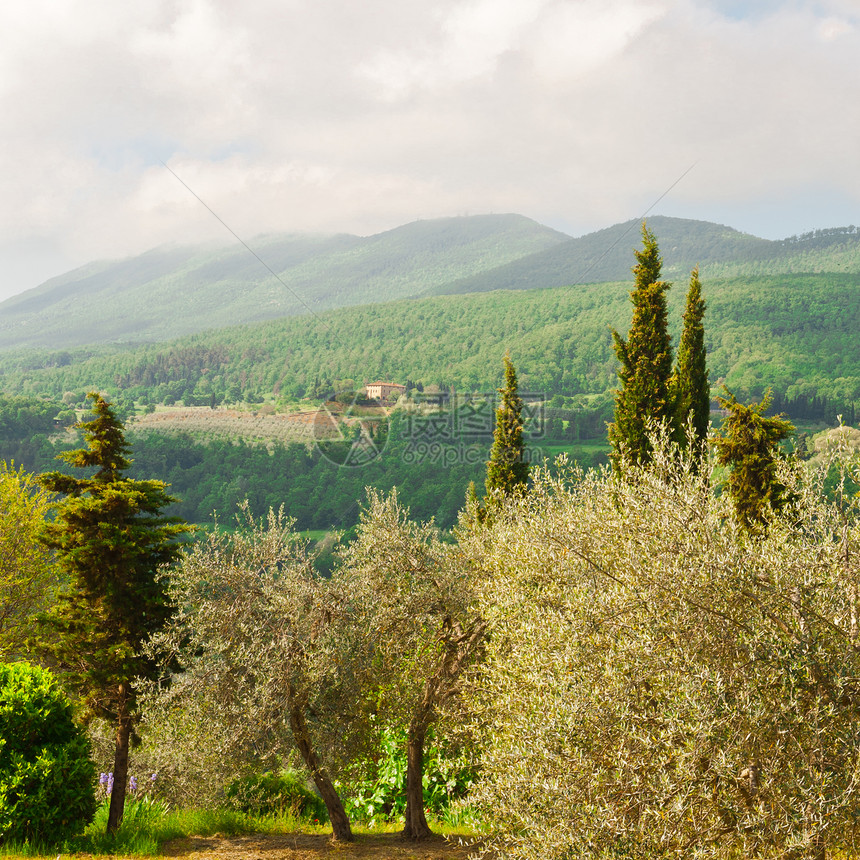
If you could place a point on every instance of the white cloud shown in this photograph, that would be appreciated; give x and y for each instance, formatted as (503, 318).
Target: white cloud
(575, 38)
(832, 28)
(464, 42)
(336, 115)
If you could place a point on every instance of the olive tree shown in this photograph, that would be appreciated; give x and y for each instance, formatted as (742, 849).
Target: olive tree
(414, 631)
(255, 633)
(659, 682)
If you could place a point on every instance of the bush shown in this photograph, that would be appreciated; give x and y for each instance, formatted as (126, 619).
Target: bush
(47, 778)
(275, 793)
(382, 794)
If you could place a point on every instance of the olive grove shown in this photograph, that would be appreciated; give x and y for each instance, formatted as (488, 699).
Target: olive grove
(658, 681)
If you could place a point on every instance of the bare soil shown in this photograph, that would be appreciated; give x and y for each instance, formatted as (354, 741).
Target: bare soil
(298, 846)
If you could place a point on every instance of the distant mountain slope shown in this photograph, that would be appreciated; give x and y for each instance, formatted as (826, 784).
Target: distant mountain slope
(719, 251)
(169, 292)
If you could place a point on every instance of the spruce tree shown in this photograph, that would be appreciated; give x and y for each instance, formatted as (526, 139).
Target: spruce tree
(507, 469)
(691, 389)
(110, 538)
(748, 443)
(645, 358)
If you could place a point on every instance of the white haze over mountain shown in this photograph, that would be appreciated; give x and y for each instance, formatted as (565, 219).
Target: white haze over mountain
(337, 115)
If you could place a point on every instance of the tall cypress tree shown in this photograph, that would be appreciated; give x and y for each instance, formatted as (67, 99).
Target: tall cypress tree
(110, 539)
(645, 358)
(691, 389)
(507, 469)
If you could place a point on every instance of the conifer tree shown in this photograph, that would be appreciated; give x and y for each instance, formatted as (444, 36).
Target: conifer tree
(691, 390)
(645, 360)
(507, 469)
(110, 539)
(748, 443)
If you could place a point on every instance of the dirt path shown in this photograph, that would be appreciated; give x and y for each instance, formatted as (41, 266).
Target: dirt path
(313, 847)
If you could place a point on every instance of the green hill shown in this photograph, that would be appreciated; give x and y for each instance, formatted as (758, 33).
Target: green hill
(718, 251)
(796, 333)
(169, 292)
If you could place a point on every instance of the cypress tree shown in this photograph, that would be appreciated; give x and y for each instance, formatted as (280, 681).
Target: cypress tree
(748, 443)
(110, 539)
(645, 358)
(691, 389)
(507, 469)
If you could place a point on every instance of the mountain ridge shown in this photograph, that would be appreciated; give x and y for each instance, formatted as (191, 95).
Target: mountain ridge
(172, 291)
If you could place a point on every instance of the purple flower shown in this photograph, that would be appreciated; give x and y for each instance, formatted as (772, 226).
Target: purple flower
(132, 784)
(103, 778)
(153, 777)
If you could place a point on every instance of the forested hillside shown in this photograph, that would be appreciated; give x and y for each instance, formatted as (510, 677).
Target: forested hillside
(718, 251)
(794, 333)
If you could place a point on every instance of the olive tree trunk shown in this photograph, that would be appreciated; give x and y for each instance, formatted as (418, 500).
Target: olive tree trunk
(340, 825)
(415, 826)
(459, 646)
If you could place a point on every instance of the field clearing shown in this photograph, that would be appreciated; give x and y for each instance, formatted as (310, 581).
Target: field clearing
(254, 427)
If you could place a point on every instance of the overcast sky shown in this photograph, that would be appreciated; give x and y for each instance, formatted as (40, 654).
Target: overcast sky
(361, 115)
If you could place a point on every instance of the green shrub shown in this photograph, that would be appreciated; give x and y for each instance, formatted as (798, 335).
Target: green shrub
(275, 793)
(47, 779)
(381, 796)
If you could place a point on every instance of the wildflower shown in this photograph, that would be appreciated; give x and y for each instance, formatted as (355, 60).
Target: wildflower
(132, 784)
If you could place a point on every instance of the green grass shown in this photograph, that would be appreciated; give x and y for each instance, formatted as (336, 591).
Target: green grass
(574, 449)
(147, 825)
(314, 534)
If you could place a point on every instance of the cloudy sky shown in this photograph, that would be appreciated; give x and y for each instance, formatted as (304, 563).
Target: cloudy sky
(361, 115)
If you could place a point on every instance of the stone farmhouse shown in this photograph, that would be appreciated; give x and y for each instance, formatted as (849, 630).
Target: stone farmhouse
(384, 390)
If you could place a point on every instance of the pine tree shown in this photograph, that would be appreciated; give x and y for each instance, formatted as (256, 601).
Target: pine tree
(645, 360)
(748, 442)
(691, 389)
(507, 469)
(110, 539)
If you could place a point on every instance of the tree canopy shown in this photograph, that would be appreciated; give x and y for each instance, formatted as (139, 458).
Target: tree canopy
(414, 629)
(507, 469)
(27, 576)
(256, 632)
(655, 683)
